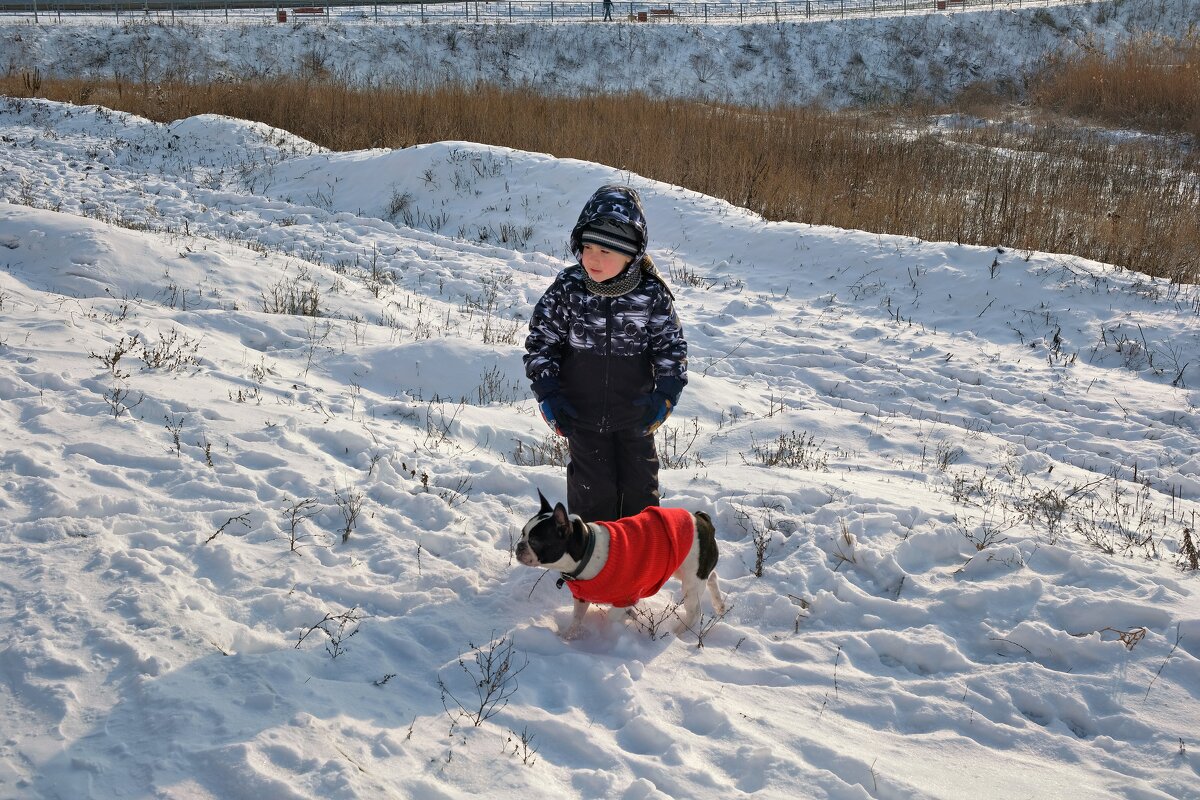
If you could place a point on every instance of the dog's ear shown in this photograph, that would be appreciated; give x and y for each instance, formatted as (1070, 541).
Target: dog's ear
(561, 520)
(545, 509)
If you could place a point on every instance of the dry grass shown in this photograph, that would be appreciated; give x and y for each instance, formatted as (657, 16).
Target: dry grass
(1055, 190)
(1151, 84)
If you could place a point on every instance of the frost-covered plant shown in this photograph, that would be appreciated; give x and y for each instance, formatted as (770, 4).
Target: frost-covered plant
(118, 400)
(112, 358)
(438, 425)
(649, 620)
(796, 450)
(705, 625)
(1050, 508)
(349, 502)
(337, 628)
(494, 329)
(947, 453)
(988, 530)
(1120, 520)
(456, 495)
(525, 747)
(493, 675)
(761, 536)
(1188, 558)
(964, 487)
(242, 519)
(172, 352)
(550, 451)
(176, 428)
(293, 515)
(494, 388)
(675, 451)
(292, 296)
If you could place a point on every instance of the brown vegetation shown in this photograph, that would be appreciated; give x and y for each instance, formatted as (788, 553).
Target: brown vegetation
(1151, 84)
(1050, 188)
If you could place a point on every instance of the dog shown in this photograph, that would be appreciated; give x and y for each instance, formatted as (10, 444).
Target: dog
(619, 563)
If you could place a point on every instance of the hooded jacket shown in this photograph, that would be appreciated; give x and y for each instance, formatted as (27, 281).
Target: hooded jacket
(643, 552)
(602, 352)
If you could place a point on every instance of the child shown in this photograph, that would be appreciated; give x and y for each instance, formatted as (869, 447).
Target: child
(607, 359)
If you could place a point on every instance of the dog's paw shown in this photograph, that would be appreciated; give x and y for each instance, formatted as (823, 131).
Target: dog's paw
(572, 633)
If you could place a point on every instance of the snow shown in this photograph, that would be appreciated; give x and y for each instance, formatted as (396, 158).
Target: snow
(173, 521)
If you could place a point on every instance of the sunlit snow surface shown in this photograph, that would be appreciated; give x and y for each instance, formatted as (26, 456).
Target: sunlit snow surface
(154, 587)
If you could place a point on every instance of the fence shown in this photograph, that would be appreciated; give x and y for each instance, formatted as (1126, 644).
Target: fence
(470, 11)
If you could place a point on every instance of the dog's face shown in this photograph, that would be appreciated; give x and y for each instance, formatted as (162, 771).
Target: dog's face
(545, 539)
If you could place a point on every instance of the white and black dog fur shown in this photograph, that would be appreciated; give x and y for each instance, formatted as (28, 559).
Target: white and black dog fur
(556, 540)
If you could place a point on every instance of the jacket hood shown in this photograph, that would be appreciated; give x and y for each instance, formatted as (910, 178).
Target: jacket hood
(615, 202)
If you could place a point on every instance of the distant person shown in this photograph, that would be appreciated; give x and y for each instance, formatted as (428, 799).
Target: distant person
(608, 8)
(607, 359)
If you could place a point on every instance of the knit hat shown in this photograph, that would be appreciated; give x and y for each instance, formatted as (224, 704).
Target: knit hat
(610, 234)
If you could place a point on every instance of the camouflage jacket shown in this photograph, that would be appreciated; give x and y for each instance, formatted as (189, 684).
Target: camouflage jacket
(605, 352)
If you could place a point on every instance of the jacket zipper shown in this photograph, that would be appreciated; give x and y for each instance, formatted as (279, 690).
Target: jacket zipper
(607, 363)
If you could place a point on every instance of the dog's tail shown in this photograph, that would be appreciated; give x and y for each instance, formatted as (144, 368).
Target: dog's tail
(706, 534)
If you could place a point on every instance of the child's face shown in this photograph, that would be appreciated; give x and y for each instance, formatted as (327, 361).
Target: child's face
(603, 264)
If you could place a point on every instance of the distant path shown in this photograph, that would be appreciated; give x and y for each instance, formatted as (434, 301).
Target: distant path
(505, 11)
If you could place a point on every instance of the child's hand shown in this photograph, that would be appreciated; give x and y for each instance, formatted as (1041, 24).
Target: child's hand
(658, 408)
(557, 410)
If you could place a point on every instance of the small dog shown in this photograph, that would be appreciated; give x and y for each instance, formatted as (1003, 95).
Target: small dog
(620, 563)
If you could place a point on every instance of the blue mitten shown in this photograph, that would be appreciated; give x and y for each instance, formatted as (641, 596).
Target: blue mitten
(658, 408)
(659, 404)
(557, 410)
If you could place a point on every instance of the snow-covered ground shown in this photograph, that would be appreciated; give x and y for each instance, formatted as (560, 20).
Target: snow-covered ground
(201, 500)
(837, 63)
(244, 551)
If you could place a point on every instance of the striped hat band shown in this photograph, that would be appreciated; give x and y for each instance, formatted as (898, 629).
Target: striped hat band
(612, 235)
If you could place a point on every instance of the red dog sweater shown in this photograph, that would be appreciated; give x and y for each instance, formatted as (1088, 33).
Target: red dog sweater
(643, 551)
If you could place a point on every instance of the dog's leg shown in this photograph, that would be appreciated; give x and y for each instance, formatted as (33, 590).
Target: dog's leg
(715, 591)
(691, 607)
(572, 632)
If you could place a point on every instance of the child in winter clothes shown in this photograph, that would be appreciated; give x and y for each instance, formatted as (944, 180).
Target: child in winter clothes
(607, 359)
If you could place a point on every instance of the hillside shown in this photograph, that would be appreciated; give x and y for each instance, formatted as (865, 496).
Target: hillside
(833, 62)
(245, 549)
